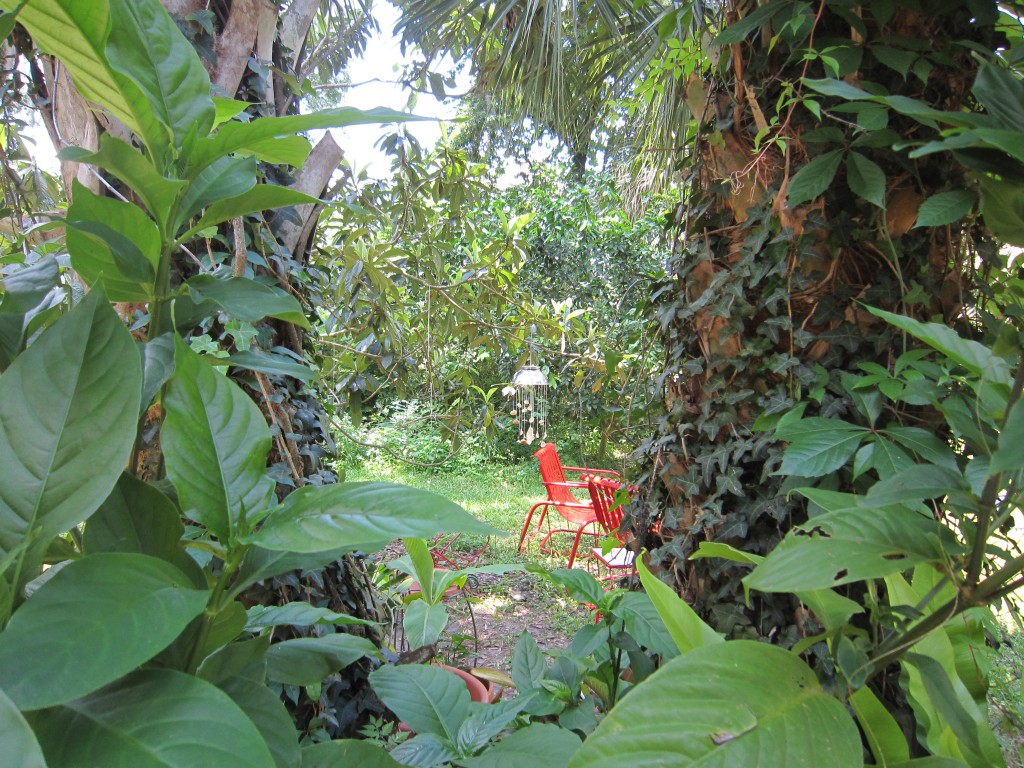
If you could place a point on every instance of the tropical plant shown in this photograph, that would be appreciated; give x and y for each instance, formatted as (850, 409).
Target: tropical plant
(125, 594)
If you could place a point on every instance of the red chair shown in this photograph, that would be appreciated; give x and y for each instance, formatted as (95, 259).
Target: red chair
(578, 512)
(609, 515)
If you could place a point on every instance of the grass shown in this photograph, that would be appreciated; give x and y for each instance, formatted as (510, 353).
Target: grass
(1006, 696)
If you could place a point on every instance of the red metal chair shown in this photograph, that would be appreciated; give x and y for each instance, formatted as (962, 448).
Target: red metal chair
(609, 515)
(578, 512)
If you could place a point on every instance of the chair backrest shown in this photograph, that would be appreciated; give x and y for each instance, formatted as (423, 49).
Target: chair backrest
(559, 492)
(602, 495)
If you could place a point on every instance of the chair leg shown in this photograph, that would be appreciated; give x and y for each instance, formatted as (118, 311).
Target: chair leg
(529, 517)
(576, 543)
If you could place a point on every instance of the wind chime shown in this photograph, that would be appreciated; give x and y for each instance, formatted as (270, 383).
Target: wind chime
(530, 407)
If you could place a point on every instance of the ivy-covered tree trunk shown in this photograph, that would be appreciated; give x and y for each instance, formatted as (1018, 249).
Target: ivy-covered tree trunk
(252, 50)
(801, 212)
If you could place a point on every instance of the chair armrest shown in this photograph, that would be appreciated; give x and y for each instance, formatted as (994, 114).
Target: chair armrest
(589, 471)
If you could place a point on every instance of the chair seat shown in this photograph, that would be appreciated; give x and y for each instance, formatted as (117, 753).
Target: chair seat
(617, 557)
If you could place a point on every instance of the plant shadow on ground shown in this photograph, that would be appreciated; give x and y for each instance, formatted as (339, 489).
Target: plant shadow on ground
(494, 610)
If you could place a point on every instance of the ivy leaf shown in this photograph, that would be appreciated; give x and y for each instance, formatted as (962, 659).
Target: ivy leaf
(945, 208)
(814, 178)
(866, 179)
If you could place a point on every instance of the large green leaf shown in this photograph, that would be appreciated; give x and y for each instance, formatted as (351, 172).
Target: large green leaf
(157, 192)
(539, 745)
(77, 33)
(818, 446)
(975, 357)
(528, 663)
(19, 742)
(1008, 456)
(68, 407)
(297, 615)
(884, 735)
(23, 294)
(152, 719)
(113, 244)
(249, 137)
(739, 703)
(814, 178)
(262, 197)
(246, 299)
(424, 622)
(95, 620)
(268, 714)
(945, 208)
(146, 46)
(259, 564)
(331, 754)
(215, 442)
(223, 179)
(136, 517)
(308, 660)
(913, 485)
(866, 178)
(1002, 206)
(851, 545)
(682, 622)
(360, 516)
(267, 362)
(427, 699)
(642, 620)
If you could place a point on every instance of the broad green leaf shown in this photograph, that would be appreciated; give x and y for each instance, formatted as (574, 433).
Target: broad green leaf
(244, 658)
(682, 622)
(977, 358)
(1002, 93)
(739, 30)
(243, 137)
(146, 46)
(925, 444)
(427, 699)
(740, 703)
(297, 615)
(852, 545)
(262, 197)
(158, 193)
(581, 586)
(357, 516)
(920, 482)
(813, 179)
(152, 719)
(77, 33)
(424, 622)
(422, 566)
(223, 179)
(246, 299)
(528, 663)
(838, 88)
(726, 552)
(1009, 456)
(215, 442)
(308, 660)
(945, 208)
(267, 362)
(818, 446)
(866, 178)
(643, 622)
(136, 517)
(331, 754)
(19, 742)
(280, 150)
(157, 366)
(538, 745)
(486, 721)
(1002, 206)
(113, 244)
(116, 610)
(68, 407)
(832, 609)
(425, 750)
(267, 712)
(259, 564)
(22, 298)
(884, 735)
(967, 721)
